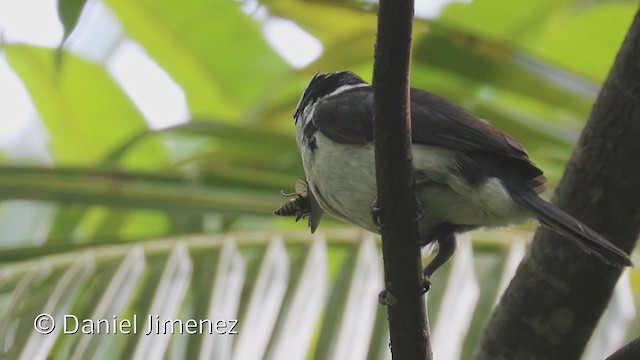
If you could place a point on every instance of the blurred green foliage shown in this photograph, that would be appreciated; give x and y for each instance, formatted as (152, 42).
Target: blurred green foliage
(532, 68)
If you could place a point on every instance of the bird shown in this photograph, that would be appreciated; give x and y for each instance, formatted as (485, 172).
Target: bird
(468, 174)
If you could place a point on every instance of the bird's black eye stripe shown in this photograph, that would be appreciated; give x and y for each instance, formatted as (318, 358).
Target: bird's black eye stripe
(309, 137)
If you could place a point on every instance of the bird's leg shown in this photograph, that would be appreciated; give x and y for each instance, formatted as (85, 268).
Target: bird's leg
(446, 248)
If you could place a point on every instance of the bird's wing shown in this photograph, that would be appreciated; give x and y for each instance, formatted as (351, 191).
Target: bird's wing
(348, 119)
(438, 121)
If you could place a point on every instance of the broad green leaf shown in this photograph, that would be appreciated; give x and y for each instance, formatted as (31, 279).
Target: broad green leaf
(586, 40)
(502, 19)
(499, 65)
(576, 35)
(211, 48)
(69, 13)
(331, 22)
(86, 112)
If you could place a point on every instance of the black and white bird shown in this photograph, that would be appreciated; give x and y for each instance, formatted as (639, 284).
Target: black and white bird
(468, 174)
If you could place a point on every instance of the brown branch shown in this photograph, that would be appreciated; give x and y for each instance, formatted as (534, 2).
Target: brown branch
(396, 190)
(558, 293)
(630, 351)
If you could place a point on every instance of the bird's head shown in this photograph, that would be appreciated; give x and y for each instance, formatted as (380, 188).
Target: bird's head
(324, 85)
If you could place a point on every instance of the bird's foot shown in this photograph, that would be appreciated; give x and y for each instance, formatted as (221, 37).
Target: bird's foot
(385, 297)
(375, 212)
(426, 285)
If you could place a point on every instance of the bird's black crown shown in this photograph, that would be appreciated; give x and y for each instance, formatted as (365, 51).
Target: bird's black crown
(322, 85)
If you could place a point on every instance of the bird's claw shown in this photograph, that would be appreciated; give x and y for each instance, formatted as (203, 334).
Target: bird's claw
(426, 285)
(385, 297)
(375, 212)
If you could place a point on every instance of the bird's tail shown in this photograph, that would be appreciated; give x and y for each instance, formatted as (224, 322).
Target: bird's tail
(563, 223)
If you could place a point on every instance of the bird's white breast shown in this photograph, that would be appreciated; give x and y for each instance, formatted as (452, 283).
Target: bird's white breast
(342, 179)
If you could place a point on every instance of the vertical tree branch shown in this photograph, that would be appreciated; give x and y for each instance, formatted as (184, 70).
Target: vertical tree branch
(558, 293)
(630, 351)
(396, 191)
